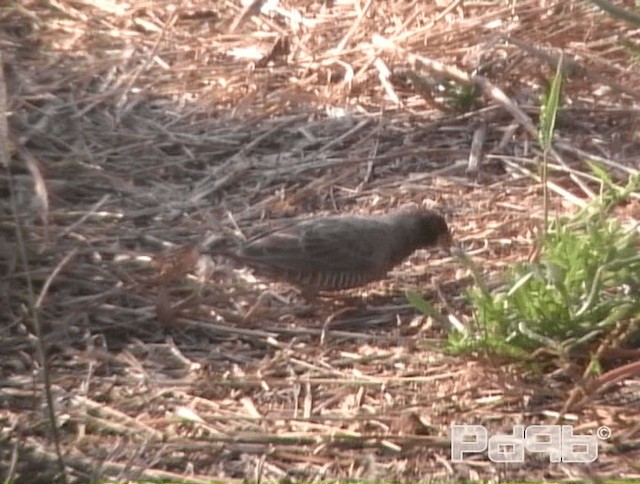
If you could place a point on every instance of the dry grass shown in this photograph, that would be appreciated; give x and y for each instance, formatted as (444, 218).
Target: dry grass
(135, 130)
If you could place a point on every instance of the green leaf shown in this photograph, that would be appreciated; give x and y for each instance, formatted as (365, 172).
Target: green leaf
(550, 109)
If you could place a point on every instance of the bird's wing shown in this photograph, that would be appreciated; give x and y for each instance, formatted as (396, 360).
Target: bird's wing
(319, 246)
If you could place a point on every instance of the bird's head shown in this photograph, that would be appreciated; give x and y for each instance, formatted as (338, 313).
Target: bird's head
(428, 228)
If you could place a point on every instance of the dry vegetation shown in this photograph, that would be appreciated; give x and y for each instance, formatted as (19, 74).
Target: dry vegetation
(137, 129)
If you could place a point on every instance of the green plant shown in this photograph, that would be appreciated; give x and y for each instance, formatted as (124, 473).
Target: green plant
(548, 116)
(586, 283)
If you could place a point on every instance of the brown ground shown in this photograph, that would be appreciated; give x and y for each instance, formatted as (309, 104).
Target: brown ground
(137, 129)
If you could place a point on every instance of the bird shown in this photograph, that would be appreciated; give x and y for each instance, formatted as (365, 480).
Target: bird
(338, 252)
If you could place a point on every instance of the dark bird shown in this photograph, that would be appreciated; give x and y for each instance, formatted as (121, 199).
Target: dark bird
(340, 252)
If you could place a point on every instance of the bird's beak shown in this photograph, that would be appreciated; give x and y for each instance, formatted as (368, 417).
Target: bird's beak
(445, 240)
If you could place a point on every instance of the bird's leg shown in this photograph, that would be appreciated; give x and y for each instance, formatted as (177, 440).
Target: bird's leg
(346, 306)
(330, 319)
(261, 303)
